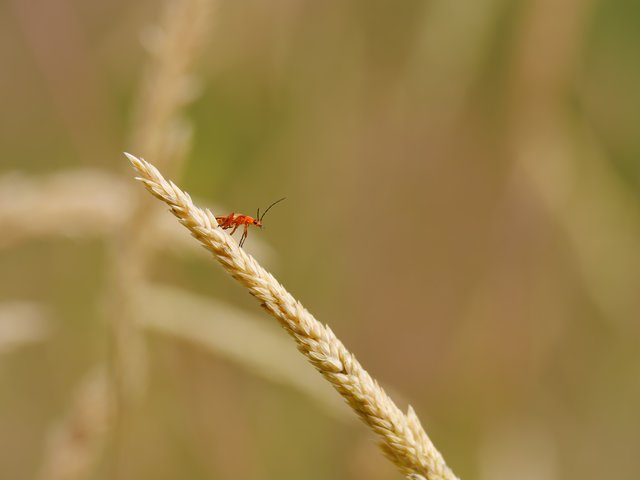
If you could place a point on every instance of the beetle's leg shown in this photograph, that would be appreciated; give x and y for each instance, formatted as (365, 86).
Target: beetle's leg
(234, 228)
(244, 235)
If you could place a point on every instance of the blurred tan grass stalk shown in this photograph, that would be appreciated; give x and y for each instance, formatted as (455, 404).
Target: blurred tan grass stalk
(221, 328)
(74, 443)
(84, 203)
(22, 323)
(403, 439)
(159, 129)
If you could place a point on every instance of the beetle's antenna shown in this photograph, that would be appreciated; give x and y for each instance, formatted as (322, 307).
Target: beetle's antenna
(269, 208)
(258, 214)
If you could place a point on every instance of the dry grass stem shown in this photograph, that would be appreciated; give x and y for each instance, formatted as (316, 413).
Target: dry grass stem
(22, 323)
(402, 437)
(75, 203)
(169, 85)
(230, 333)
(75, 444)
(82, 204)
(159, 129)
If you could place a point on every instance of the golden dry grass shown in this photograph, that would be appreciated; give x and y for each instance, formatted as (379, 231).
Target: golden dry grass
(403, 439)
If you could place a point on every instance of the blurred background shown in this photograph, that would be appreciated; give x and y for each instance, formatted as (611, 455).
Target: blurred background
(463, 210)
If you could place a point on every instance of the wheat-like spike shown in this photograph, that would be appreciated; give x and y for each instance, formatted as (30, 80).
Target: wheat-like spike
(403, 439)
